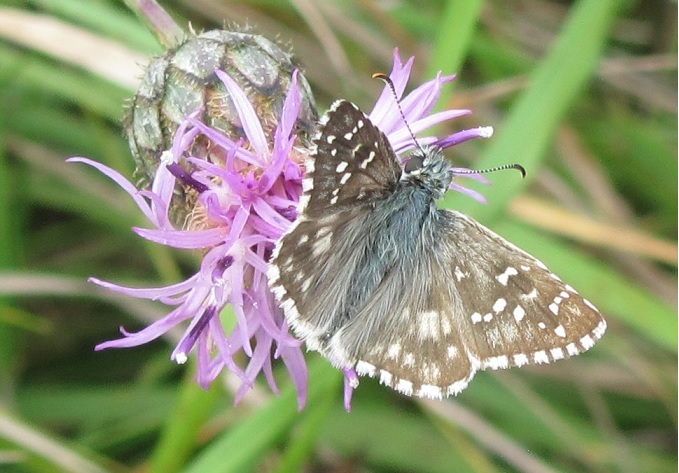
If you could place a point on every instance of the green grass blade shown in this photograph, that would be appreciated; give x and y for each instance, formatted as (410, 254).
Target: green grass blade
(243, 446)
(555, 84)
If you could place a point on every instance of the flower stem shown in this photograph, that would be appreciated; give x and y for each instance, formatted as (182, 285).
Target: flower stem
(159, 21)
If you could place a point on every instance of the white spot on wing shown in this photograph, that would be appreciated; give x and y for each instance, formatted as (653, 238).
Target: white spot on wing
(322, 244)
(368, 160)
(587, 342)
(530, 296)
(600, 329)
(341, 166)
(386, 378)
(290, 310)
(572, 349)
(560, 331)
(504, 277)
(557, 353)
(453, 352)
(540, 357)
(345, 177)
(279, 292)
(405, 387)
(307, 184)
(273, 273)
(430, 391)
(365, 368)
(519, 313)
(445, 326)
(496, 362)
(393, 351)
(306, 285)
(499, 305)
(476, 318)
(428, 325)
(520, 359)
(554, 308)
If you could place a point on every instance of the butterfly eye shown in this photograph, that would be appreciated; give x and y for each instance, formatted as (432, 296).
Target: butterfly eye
(414, 163)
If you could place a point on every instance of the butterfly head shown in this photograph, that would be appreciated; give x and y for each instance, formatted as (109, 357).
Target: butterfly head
(429, 169)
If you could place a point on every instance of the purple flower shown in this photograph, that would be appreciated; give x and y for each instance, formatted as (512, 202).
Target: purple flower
(245, 203)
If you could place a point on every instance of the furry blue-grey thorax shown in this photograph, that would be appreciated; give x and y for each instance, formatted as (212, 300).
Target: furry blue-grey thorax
(429, 169)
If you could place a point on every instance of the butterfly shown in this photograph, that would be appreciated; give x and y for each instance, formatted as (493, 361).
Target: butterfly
(377, 279)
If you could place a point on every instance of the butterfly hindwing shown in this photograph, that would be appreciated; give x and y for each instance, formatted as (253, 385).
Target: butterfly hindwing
(406, 334)
(433, 323)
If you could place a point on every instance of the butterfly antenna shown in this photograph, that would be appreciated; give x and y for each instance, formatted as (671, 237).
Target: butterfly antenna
(518, 167)
(387, 80)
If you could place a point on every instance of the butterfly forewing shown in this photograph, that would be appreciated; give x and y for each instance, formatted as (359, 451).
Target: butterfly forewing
(352, 164)
(515, 310)
(304, 274)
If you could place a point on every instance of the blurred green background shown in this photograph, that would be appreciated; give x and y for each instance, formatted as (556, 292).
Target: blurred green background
(582, 93)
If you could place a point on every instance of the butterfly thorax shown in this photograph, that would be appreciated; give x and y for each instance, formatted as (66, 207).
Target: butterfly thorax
(388, 243)
(398, 228)
(428, 169)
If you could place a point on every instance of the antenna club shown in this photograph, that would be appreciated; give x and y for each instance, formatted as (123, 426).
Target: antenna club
(486, 131)
(518, 167)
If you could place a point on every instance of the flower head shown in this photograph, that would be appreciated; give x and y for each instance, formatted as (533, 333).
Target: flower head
(244, 204)
(246, 200)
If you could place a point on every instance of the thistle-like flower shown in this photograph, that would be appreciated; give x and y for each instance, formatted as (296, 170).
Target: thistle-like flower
(246, 199)
(243, 206)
